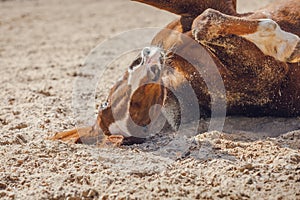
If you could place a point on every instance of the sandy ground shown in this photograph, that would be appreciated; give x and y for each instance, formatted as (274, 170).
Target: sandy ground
(42, 47)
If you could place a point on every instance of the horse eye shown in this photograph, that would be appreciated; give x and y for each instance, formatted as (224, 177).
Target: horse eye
(135, 63)
(104, 105)
(146, 51)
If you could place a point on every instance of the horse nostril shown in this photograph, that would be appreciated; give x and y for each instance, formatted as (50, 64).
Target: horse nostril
(154, 72)
(154, 69)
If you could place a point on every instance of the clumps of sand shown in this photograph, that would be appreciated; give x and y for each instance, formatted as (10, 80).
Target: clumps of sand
(42, 46)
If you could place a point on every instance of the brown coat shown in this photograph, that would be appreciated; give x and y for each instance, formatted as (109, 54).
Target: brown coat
(256, 84)
(257, 61)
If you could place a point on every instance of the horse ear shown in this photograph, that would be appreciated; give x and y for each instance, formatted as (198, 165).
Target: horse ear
(193, 7)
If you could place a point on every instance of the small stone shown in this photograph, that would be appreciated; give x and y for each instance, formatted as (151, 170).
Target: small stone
(20, 139)
(3, 186)
(2, 194)
(247, 166)
(249, 181)
(16, 112)
(92, 194)
(295, 158)
(104, 197)
(12, 195)
(19, 126)
(73, 198)
(20, 162)
(85, 194)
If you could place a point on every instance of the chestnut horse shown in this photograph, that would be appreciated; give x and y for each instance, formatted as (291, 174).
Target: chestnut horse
(257, 56)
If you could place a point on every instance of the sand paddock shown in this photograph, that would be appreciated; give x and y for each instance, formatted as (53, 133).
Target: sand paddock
(42, 47)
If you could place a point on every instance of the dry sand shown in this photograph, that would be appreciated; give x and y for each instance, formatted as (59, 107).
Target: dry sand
(42, 47)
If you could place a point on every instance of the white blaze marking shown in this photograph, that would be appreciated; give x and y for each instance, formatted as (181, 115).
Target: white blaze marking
(120, 128)
(139, 72)
(273, 41)
(136, 74)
